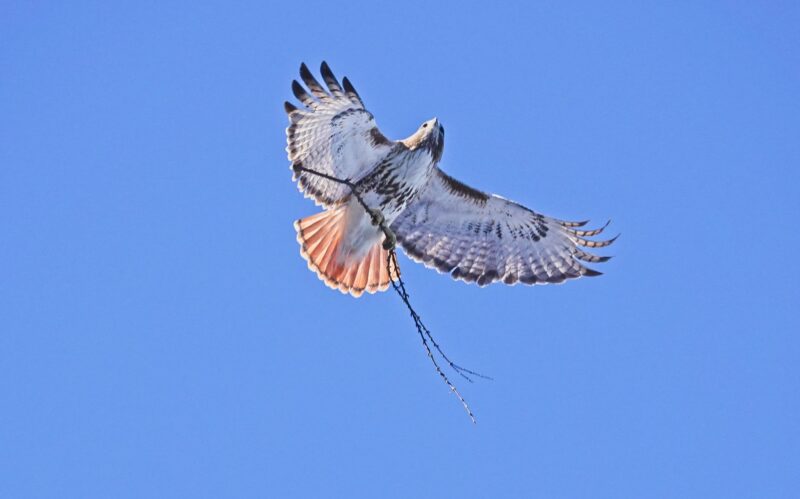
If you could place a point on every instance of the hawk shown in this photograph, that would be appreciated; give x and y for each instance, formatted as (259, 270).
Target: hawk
(438, 221)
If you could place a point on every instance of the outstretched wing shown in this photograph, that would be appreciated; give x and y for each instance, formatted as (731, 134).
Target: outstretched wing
(477, 237)
(333, 134)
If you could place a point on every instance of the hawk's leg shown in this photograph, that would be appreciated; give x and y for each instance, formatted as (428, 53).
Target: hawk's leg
(376, 215)
(390, 240)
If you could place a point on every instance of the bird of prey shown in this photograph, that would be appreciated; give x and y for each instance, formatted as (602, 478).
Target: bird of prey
(438, 221)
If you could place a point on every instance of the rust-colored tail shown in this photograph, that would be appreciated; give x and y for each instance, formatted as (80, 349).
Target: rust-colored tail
(320, 237)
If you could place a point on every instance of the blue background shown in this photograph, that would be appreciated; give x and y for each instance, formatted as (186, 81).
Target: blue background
(161, 336)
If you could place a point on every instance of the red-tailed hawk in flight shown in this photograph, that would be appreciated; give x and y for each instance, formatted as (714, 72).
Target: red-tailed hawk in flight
(439, 221)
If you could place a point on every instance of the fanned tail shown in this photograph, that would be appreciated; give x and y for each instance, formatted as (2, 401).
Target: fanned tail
(320, 237)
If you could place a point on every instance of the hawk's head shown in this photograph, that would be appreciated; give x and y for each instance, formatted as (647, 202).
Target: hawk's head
(430, 136)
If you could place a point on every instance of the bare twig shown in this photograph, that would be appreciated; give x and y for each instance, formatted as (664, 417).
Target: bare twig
(399, 286)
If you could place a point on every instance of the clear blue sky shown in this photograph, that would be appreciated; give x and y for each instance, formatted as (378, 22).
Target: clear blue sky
(161, 336)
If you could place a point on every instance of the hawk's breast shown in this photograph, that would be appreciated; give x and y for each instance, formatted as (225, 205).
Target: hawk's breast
(396, 181)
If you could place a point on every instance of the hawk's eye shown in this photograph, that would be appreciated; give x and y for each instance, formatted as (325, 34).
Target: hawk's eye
(424, 125)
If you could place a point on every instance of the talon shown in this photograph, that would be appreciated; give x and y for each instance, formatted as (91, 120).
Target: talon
(390, 241)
